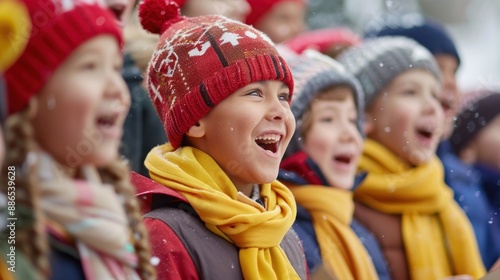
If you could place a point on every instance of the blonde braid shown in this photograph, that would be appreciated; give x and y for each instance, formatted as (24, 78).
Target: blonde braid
(117, 174)
(31, 237)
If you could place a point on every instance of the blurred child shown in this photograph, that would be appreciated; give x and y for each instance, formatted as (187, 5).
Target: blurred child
(462, 178)
(436, 39)
(13, 17)
(77, 217)
(404, 200)
(329, 41)
(141, 44)
(476, 139)
(281, 20)
(223, 94)
(321, 164)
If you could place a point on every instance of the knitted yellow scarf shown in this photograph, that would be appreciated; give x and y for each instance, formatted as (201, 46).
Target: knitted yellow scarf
(341, 250)
(437, 236)
(256, 230)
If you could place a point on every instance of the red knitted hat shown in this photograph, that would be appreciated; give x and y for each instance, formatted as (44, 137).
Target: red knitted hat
(260, 8)
(323, 39)
(202, 60)
(58, 28)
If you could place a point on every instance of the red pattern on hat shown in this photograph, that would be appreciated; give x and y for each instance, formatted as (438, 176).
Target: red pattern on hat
(202, 60)
(261, 7)
(58, 28)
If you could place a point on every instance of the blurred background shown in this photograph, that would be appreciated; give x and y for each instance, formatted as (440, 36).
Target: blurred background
(473, 24)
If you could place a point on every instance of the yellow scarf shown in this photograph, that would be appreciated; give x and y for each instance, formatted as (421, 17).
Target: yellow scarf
(257, 231)
(341, 250)
(437, 236)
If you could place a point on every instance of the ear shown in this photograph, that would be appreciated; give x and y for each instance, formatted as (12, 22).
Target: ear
(469, 153)
(197, 130)
(368, 124)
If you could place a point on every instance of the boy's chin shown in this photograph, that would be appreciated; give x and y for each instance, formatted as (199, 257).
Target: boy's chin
(421, 157)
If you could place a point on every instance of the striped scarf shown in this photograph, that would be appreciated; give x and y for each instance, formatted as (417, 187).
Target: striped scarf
(91, 213)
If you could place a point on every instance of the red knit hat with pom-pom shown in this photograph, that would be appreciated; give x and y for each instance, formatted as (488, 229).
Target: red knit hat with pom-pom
(58, 28)
(202, 60)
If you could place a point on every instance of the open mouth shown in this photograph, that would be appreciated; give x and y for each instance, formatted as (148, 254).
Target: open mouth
(269, 142)
(118, 10)
(343, 159)
(108, 124)
(425, 133)
(107, 121)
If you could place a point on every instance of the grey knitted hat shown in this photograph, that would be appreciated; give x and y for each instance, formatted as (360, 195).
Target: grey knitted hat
(313, 72)
(376, 62)
(479, 108)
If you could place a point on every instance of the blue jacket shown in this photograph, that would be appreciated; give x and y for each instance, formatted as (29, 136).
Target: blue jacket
(465, 180)
(490, 180)
(64, 261)
(304, 228)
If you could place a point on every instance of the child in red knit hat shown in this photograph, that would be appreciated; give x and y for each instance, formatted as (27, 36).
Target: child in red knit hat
(281, 20)
(75, 214)
(215, 209)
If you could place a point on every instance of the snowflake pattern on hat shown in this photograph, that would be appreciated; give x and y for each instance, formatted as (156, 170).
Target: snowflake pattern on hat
(200, 61)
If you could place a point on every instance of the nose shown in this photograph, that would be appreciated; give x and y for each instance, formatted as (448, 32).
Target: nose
(298, 27)
(277, 110)
(349, 133)
(431, 105)
(117, 90)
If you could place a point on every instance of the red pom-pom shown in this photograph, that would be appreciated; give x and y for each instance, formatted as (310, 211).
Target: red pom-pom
(157, 15)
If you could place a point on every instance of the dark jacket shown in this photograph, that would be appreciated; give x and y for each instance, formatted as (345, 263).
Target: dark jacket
(304, 228)
(143, 128)
(465, 180)
(386, 228)
(490, 180)
(185, 248)
(64, 261)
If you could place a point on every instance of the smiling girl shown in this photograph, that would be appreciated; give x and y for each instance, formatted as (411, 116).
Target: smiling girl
(77, 217)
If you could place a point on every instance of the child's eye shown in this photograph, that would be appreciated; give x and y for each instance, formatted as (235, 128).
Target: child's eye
(284, 97)
(410, 92)
(90, 65)
(254, 93)
(326, 119)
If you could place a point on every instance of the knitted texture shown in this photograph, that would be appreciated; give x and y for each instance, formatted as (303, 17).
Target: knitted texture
(202, 60)
(58, 28)
(427, 32)
(314, 72)
(378, 61)
(478, 109)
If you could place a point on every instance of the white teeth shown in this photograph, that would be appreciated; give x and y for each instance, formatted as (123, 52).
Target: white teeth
(268, 137)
